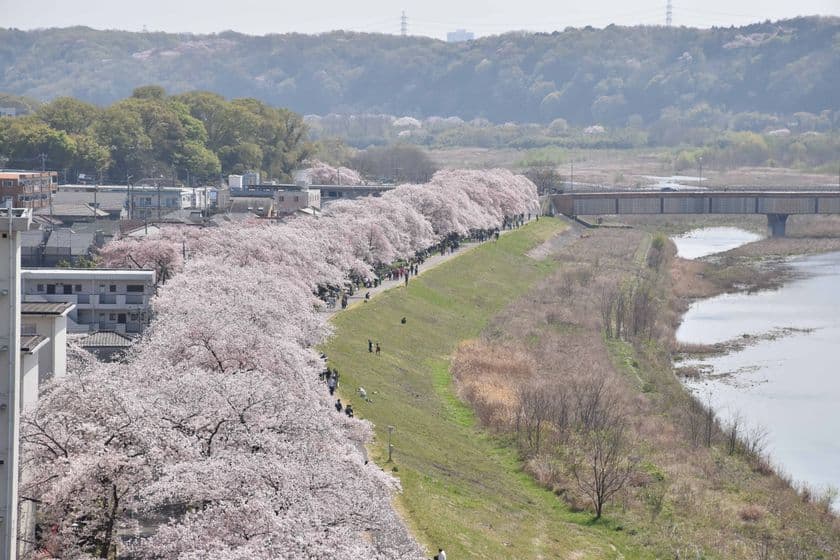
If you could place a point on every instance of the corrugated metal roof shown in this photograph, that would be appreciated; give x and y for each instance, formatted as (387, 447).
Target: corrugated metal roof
(104, 339)
(59, 308)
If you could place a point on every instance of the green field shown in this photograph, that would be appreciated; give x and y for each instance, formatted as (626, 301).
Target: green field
(463, 489)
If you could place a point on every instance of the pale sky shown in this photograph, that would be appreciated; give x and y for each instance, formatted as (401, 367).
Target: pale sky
(425, 17)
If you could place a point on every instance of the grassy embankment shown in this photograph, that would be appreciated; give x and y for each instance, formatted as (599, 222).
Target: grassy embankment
(462, 488)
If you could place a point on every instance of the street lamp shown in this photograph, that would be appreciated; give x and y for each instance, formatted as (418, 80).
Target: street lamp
(390, 447)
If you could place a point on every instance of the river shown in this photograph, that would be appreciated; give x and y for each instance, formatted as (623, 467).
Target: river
(788, 380)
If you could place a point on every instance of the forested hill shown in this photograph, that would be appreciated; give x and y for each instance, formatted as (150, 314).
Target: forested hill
(582, 75)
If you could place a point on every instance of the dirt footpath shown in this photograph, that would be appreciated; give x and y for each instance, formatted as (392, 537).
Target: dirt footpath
(553, 245)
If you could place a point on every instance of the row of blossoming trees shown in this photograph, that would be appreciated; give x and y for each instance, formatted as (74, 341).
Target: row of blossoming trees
(215, 439)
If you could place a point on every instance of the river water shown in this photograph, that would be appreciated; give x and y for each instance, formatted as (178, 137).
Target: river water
(788, 381)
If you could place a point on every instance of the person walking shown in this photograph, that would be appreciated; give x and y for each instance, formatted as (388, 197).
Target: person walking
(348, 410)
(370, 346)
(332, 383)
(378, 349)
(441, 555)
(338, 406)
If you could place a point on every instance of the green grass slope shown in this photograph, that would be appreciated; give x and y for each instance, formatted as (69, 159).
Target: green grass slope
(462, 488)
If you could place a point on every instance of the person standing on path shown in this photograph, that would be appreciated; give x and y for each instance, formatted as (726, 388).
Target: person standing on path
(378, 349)
(370, 346)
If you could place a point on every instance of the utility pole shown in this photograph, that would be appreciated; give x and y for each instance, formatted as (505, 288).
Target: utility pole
(668, 14)
(700, 178)
(130, 200)
(404, 24)
(95, 202)
(43, 157)
(572, 177)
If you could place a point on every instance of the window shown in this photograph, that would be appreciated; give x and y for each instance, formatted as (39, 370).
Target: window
(40, 287)
(112, 288)
(134, 288)
(112, 316)
(282, 198)
(50, 288)
(77, 288)
(297, 198)
(68, 289)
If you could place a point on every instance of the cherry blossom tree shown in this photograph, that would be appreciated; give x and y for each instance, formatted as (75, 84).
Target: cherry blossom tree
(217, 421)
(321, 173)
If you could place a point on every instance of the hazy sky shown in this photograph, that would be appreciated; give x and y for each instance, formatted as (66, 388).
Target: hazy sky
(425, 17)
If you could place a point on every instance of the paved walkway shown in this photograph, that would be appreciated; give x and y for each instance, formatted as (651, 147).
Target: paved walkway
(359, 296)
(431, 262)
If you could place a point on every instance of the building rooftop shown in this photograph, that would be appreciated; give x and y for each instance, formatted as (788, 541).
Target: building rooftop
(133, 274)
(55, 309)
(15, 173)
(105, 339)
(32, 238)
(107, 201)
(79, 243)
(78, 210)
(31, 343)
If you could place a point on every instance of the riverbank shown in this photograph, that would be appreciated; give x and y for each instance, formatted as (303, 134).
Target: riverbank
(697, 491)
(765, 360)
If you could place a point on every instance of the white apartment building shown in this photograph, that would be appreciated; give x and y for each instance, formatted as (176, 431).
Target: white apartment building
(151, 202)
(105, 299)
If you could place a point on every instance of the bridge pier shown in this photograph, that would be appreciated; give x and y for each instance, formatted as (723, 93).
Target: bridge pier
(776, 223)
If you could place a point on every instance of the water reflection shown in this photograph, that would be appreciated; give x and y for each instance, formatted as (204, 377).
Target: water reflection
(788, 380)
(708, 241)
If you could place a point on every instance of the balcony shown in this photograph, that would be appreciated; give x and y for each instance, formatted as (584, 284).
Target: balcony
(51, 298)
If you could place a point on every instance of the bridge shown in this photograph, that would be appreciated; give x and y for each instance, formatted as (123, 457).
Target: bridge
(777, 205)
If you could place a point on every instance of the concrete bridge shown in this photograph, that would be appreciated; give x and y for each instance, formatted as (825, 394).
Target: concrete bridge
(776, 205)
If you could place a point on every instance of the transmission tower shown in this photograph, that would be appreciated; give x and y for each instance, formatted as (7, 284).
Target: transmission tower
(404, 24)
(668, 13)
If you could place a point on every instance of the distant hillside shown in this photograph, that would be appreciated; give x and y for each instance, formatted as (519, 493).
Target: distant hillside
(581, 75)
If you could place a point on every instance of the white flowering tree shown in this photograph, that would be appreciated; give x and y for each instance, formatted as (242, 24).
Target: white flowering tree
(216, 439)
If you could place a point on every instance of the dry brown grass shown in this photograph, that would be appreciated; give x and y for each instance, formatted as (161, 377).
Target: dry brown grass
(751, 513)
(487, 376)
